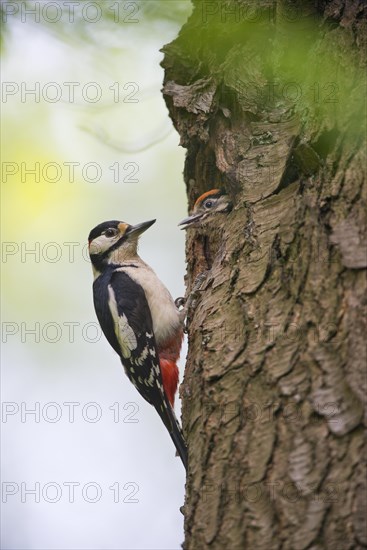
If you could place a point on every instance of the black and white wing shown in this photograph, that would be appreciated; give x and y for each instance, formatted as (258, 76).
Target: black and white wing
(124, 315)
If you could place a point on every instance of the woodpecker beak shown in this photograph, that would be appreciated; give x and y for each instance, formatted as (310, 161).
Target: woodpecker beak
(191, 220)
(138, 229)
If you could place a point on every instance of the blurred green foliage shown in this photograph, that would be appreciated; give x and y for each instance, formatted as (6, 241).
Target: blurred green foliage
(265, 58)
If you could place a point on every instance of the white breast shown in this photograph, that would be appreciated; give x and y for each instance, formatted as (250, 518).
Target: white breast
(165, 315)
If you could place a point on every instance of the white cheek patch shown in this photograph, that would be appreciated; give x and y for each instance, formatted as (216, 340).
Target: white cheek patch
(100, 245)
(222, 206)
(124, 333)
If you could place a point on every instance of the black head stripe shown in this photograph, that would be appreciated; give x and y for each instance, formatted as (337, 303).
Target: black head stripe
(114, 246)
(99, 229)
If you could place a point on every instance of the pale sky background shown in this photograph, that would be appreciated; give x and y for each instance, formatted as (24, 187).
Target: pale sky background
(52, 351)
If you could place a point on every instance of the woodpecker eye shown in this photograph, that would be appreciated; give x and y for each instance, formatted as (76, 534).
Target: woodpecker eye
(209, 203)
(111, 232)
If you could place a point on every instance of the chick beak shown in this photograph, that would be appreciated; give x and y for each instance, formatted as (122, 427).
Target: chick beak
(190, 220)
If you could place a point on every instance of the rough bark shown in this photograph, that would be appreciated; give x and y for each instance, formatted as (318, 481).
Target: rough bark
(274, 388)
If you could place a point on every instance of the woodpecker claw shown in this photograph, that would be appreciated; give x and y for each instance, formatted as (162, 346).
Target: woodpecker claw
(180, 302)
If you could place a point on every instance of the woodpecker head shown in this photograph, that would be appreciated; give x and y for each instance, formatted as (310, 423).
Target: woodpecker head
(206, 207)
(114, 242)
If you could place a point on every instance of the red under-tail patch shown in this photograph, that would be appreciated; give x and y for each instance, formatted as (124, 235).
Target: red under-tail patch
(169, 353)
(169, 372)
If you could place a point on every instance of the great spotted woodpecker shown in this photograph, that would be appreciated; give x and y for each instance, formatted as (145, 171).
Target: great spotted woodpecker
(207, 205)
(203, 215)
(138, 317)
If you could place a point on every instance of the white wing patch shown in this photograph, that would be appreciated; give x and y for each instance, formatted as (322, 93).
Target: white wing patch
(124, 333)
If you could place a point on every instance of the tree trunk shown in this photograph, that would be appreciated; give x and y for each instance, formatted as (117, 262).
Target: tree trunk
(267, 99)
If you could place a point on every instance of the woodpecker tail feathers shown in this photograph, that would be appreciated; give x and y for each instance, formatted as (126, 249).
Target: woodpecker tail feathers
(177, 437)
(169, 419)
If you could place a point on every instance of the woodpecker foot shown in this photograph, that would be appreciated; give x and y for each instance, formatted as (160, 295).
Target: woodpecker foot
(180, 302)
